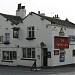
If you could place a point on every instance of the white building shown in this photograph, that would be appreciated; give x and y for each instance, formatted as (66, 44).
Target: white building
(24, 39)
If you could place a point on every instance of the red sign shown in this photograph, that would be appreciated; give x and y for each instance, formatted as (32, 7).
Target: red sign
(61, 42)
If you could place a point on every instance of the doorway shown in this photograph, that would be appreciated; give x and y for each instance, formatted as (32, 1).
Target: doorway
(44, 56)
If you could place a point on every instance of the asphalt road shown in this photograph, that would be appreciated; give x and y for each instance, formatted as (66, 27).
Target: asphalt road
(6, 70)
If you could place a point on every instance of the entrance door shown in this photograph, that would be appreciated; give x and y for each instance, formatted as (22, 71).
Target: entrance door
(44, 56)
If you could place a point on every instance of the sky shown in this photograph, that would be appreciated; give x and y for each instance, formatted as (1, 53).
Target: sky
(64, 8)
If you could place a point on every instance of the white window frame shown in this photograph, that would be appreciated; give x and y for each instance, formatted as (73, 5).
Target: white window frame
(31, 30)
(7, 37)
(26, 53)
(7, 56)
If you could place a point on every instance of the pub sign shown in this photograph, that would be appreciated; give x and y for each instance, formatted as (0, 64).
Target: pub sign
(61, 42)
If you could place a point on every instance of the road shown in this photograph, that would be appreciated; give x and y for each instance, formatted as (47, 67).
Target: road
(6, 70)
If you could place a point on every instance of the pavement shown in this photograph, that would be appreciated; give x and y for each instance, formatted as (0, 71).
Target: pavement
(44, 70)
(59, 69)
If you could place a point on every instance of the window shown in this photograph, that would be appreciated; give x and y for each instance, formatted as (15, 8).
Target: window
(30, 32)
(15, 34)
(1, 39)
(7, 37)
(28, 52)
(72, 38)
(73, 52)
(9, 55)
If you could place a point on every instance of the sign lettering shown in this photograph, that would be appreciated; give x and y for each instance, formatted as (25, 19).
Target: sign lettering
(61, 42)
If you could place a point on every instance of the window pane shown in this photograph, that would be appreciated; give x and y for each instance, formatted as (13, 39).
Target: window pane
(14, 55)
(10, 55)
(15, 34)
(33, 52)
(32, 28)
(0, 38)
(7, 53)
(4, 55)
(29, 53)
(7, 37)
(29, 28)
(24, 53)
(72, 38)
(32, 33)
(29, 33)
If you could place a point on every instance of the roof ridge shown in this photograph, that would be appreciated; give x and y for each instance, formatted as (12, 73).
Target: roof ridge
(14, 19)
(57, 21)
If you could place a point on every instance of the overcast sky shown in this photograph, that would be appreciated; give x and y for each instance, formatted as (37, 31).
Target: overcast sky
(64, 8)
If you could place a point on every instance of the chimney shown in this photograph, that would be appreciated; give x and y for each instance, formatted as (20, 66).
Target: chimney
(19, 6)
(23, 7)
(21, 11)
(56, 16)
(38, 12)
(43, 14)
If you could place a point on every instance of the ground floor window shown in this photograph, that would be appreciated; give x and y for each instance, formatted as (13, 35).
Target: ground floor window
(28, 52)
(9, 55)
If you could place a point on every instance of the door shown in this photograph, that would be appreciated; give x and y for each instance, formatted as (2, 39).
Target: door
(44, 56)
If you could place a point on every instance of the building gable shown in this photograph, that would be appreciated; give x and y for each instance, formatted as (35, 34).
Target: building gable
(54, 20)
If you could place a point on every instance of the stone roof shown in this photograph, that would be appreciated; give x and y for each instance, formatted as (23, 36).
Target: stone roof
(14, 19)
(57, 21)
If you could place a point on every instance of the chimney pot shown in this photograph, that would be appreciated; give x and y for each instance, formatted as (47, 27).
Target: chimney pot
(19, 6)
(38, 12)
(23, 7)
(57, 15)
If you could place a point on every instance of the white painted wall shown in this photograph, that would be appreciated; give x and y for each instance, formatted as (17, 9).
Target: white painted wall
(42, 34)
(69, 59)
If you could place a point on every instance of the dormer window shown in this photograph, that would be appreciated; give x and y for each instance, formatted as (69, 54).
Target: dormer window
(15, 32)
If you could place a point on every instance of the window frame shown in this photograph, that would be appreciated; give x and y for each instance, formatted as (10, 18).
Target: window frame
(8, 55)
(30, 32)
(71, 38)
(7, 37)
(32, 53)
(14, 32)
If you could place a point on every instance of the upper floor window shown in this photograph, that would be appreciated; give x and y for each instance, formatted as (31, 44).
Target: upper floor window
(7, 37)
(30, 31)
(1, 39)
(72, 38)
(15, 32)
